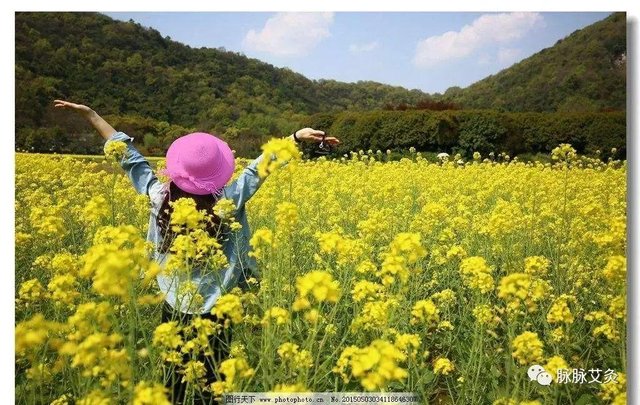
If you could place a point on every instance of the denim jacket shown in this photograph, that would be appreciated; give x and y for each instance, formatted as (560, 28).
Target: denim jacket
(235, 247)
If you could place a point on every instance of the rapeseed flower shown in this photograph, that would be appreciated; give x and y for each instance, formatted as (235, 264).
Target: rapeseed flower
(554, 364)
(275, 153)
(185, 215)
(522, 289)
(408, 343)
(607, 325)
(559, 311)
(443, 366)
(229, 307)
(95, 397)
(167, 335)
(616, 269)
(276, 314)
(560, 227)
(445, 297)
(614, 390)
(476, 274)
(64, 263)
(150, 394)
(527, 348)
(115, 150)
(116, 260)
(32, 334)
(261, 239)
(32, 291)
(95, 210)
(225, 209)
(193, 371)
(365, 290)
(318, 285)
(294, 356)
(298, 387)
(425, 311)
(234, 371)
(536, 265)
(375, 366)
(405, 249)
(286, 217)
(374, 315)
(564, 153)
(63, 289)
(485, 316)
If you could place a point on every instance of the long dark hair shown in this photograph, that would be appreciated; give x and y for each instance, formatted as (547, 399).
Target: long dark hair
(205, 202)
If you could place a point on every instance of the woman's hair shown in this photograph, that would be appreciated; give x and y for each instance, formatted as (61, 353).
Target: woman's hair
(203, 202)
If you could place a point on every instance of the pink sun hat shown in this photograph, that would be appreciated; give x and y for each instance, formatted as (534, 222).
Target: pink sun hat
(199, 163)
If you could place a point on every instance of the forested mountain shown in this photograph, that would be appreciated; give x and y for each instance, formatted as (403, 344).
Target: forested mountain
(585, 71)
(157, 89)
(123, 68)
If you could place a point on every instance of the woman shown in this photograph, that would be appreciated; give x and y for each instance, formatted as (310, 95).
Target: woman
(198, 167)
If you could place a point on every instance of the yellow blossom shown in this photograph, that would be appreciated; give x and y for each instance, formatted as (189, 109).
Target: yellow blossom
(374, 315)
(229, 306)
(319, 285)
(443, 366)
(476, 274)
(261, 239)
(32, 290)
(95, 397)
(522, 289)
(485, 315)
(554, 364)
(375, 366)
(616, 269)
(299, 387)
(115, 149)
(225, 209)
(275, 153)
(167, 335)
(186, 215)
(150, 394)
(425, 311)
(366, 290)
(234, 370)
(279, 315)
(614, 389)
(559, 311)
(536, 265)
(95, 210)
(527, 348)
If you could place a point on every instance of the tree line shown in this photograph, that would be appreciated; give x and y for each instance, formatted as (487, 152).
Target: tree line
(468, 131)
(157, 89)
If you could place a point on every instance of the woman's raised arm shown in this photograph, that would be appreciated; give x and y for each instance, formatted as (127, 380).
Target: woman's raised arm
(248, 182)
(136, 167)
(103, 127)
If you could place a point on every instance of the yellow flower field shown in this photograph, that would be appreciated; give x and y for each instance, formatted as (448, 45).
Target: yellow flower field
(444, 279)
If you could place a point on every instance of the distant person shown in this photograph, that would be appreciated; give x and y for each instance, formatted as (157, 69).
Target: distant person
(199, 166)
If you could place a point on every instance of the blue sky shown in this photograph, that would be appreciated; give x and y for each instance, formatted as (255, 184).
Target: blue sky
(424, 50)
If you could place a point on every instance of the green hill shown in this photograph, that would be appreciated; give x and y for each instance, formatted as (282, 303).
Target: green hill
(122, 68)
(585, 71)
(158, 89)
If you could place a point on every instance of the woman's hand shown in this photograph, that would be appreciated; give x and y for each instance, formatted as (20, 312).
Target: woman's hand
(313, 135)
(80, 108)
(103, 127)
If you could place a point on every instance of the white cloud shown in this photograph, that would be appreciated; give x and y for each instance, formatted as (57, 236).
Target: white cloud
(290, 34)
(507, 56)
(485, 30)
(355, 48)
(484, 59)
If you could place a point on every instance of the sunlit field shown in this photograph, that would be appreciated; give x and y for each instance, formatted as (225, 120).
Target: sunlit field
(448, 280)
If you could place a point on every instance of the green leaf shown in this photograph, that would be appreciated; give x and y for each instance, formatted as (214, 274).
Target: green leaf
(587, 399)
